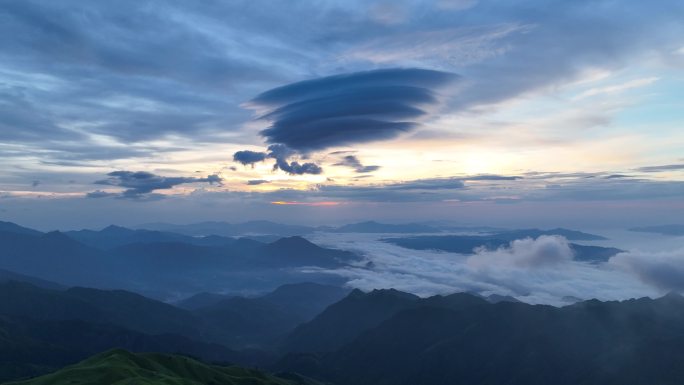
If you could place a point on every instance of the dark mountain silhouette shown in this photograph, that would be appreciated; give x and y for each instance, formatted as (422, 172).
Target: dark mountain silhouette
(7, 276)
(116, 236)
(571, 235)
(32, 347)
(162, 269)
(306, 299)
(343, 321)
(675, 230)
(463, 339)
(263, 321)
(297, 251)
(55, 257)
(116, 307)
(236, 322)
(248, 322)
(375, 227)
(201, 300)
(119, 366)
(465, 244)
(10, 227)
(231, 229)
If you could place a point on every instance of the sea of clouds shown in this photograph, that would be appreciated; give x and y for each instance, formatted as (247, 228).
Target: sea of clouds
(537, 271)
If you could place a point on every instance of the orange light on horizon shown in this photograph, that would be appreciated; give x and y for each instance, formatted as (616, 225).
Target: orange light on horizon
(294, 203)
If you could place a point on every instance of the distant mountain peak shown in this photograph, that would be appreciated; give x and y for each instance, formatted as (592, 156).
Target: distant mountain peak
(294, 241)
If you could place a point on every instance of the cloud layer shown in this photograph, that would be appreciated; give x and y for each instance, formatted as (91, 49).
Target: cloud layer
(349, 109)
(140, 184)
(540, 270)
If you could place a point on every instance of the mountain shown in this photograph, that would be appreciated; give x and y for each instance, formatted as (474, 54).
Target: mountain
(676, 230)
(235, 321)
(297, 251)
(122, 367)
(231, 229)
(263, 321)
(306, 299)
(55, 257)
(247, 322)
(30, 347)
(375, 227)
(166, 269)
(465, 244)
(201, 300)
(343, 321)
(10, 227)
(571, 235)
(115, 307)
(115, 236)
(7, 276)
(463, 339)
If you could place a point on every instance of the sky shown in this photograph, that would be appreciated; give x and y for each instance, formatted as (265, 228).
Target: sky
(525, 113)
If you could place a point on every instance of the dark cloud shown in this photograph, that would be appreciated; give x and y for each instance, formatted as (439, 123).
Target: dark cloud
(492, 177)
(667, 167)
(351, 108)
(140, 184)
(281, 154)
(255, 182)
(247, 157)
(354, 162)
(100, 194)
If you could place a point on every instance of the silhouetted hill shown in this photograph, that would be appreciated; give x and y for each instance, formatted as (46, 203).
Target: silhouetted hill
(265, 320)
(297, 251)
(248, 322)
(571, 235)
(231, 229)
(30, 347)
(6, 276)
(306, 299)
(115, 236)
(116, 307)
(375, 227)
(662, 229)
(54, 256)
(165, 269)
(122, 367)
(463, 339)
(465, 244)
(10, 227)
(345, 320)
(201, 300)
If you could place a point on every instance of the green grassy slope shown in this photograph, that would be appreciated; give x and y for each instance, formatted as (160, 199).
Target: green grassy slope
(120, 367)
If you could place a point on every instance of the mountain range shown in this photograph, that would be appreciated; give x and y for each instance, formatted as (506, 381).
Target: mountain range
(116, 367)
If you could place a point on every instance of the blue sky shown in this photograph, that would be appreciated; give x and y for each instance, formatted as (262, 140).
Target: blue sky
(484, 112)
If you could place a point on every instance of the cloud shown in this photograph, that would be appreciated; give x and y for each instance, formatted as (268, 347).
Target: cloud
(139, 184)
(100, 194)
(354, 162)
(663, 270)
(667, 167)
(545, 251)
(256, 182)
(282, 153)
(538, 270)
(491, 177)
(350, 108)
(247, 157)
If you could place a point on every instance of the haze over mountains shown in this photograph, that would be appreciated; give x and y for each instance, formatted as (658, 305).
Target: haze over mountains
(289, 305)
